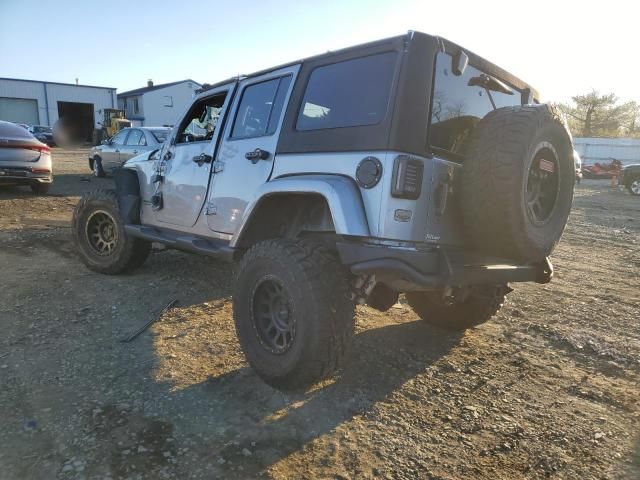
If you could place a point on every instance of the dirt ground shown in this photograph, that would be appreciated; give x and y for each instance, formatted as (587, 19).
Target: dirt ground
(548, 389)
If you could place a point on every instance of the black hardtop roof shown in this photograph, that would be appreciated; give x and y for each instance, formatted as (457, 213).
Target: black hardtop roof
(446, 45)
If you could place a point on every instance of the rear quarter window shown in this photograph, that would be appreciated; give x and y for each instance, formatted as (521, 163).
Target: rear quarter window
(457, 107)
(347, 94)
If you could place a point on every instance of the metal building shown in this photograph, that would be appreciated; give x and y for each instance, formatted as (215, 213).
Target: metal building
(603, 150)
(157, 105)
(36, 102)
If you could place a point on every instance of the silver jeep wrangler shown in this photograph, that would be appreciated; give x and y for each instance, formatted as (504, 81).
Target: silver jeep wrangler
(407, 165)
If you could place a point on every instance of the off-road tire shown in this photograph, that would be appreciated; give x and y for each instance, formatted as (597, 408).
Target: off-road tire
(96, 167)
(318, 300)
(40, 188)
(481, 304)
(127, 254)
(494, 187)
(634, 184)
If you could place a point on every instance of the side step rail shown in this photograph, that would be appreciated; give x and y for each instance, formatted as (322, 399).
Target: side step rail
(188, 243)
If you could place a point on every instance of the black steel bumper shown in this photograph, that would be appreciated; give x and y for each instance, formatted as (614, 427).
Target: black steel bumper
(436, 268)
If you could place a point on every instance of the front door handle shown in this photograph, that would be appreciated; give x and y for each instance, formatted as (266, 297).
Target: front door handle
(135, 152)
(256, 155)
(202, 158)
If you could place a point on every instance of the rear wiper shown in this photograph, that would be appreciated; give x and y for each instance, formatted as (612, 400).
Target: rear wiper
(490, 84)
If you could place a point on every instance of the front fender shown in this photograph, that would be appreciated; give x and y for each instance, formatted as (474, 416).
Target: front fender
(341, 193)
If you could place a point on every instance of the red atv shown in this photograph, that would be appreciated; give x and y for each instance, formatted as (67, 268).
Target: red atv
(599, 170)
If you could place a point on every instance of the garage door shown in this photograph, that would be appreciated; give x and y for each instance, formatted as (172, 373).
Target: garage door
(19, 110)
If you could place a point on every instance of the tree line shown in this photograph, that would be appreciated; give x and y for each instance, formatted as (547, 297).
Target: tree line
(602, 115)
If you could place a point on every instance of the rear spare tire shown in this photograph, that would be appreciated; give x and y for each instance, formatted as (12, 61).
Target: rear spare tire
(517, 182)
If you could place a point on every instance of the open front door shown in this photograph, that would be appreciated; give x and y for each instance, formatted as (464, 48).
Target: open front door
(186, 160)
(245, 158)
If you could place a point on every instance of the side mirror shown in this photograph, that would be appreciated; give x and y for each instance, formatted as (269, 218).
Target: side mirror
(106, 141)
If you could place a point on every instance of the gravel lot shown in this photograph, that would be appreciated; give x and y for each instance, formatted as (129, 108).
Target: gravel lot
(548, 389)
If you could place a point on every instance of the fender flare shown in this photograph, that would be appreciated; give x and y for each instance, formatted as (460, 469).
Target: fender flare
(341, 193)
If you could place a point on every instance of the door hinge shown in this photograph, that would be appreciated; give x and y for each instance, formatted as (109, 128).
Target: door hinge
(211, 209)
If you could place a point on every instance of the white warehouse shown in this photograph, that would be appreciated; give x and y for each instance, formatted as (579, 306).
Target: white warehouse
(35, 102)
(157, 105)
(603, 150)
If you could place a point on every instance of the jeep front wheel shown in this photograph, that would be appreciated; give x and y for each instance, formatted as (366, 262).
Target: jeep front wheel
(466, 308)
(293, 314)
(100, 238)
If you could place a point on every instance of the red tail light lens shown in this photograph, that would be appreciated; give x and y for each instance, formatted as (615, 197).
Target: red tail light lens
(40, 170)
(35, 148)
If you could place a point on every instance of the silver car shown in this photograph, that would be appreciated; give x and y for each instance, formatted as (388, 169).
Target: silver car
(125, 144)
(24, 160)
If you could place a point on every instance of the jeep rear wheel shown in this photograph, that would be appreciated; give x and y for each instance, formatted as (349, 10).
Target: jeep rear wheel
(100, 238)
(468, 307)
(517, 182)
(293, 314)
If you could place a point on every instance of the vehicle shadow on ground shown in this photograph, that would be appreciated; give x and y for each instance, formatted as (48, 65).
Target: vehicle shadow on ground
(64, 185)
(254, 426)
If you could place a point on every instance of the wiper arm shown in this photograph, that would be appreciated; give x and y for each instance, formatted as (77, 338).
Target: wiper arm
(490, 84)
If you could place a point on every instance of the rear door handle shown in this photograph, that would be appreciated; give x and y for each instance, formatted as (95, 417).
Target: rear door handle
(202, 158)
(256, 155)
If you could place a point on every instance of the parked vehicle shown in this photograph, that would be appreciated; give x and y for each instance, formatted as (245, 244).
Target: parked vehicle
(24, 160)
(407, 165)
(126, 144)
(43, 133)
(602, 170)
(578, 163)
(630, 178)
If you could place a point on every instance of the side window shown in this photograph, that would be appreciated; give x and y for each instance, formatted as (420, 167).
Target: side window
(120, 137)
(143, 140)
(201, 120)
(134, 137)
(260, 108)
(348, 94)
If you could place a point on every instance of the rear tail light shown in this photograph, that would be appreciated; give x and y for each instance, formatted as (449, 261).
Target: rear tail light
(27, 146)
(40, 170)
(37, 148)
(407, 177)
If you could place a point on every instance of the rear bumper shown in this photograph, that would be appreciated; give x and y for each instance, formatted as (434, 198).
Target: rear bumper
(23, 175)
(407, 269)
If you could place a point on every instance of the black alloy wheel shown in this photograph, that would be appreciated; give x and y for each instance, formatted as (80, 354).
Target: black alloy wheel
(543, 184)
(102, 232)
(272, 316)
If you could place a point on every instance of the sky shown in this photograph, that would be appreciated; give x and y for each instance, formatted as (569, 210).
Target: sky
(561, 47)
